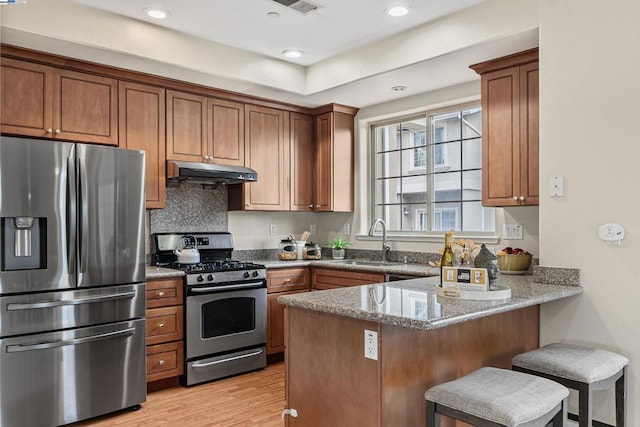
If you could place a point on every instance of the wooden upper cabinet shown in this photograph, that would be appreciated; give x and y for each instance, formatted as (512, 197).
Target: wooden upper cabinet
(302, 162)
(142, 127)
(225, 132)
(267, 152)
(186, 127)
(334, 162)
(510, 114)
(49, 102)
(204, 130)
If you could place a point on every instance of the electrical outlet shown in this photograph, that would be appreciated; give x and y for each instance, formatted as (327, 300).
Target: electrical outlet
(272, 229)
(312, 229)
(370, 344)
(512, 232)
(346, 229)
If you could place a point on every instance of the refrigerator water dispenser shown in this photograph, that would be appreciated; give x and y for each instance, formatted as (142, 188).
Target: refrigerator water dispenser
(23, 243)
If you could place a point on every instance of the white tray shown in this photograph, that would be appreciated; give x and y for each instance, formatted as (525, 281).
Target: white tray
(498, 292)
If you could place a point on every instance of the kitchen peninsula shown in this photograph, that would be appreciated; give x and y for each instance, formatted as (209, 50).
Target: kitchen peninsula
(420, 340)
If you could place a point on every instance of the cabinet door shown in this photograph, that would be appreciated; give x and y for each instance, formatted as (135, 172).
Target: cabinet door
(302, 162)
(225, 132)
(324, 163)
(275, 322)
(85, 108)
(26, 103)
(529, 134)
(142, 127)
(186, 127)
(334, 162)
(267, 153)
(501, 136)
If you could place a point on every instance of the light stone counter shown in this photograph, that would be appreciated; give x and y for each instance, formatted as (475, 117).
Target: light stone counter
(418, 270)
(415, 304)
(154, 272)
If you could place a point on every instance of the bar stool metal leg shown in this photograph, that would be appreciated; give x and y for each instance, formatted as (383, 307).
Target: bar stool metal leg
(621, 399)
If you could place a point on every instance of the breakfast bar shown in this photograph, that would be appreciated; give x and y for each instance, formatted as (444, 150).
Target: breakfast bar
(365, 355)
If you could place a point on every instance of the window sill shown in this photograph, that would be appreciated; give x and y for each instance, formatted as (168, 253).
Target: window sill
(434, 238)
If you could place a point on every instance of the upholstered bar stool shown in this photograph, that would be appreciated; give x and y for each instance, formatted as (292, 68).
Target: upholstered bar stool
(584, 369)
(493, 397)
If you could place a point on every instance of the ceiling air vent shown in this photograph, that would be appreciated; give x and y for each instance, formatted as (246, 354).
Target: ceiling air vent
(302, 6)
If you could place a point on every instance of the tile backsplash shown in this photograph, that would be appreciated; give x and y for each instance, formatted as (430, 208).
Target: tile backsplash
(190, 208)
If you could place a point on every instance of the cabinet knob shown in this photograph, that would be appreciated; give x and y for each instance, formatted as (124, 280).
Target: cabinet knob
(57, 131)
(161, 325)
(521, 198)
(287, 280)
(515, 198)
(161, 362)
(160, 293)
(311, 206)
(317, 206)
(49, 130)
(206, 157)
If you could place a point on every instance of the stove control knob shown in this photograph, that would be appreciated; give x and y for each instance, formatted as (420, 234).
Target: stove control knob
(255, 273)
(210, 277)
(200, 278)
(246, 275)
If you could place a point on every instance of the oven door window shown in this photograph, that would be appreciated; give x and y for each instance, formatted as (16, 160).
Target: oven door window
(228, 316)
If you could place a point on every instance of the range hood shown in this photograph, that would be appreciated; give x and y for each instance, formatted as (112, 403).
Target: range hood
(208, 173)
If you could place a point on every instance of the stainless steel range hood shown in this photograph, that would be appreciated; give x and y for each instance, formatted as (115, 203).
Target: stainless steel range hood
(208, 173)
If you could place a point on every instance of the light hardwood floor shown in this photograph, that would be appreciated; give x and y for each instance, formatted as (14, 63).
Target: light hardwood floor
(253, 399)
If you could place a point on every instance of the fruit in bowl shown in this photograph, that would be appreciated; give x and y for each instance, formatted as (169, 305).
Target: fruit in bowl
(513, 260)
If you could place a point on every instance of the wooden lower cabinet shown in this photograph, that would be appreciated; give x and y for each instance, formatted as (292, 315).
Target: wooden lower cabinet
(281, 281)
(329, 382)
(165, 329)
(329, 278)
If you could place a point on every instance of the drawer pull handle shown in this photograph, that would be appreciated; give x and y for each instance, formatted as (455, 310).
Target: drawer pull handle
(161, 325)
(287, 281)
(160, 294)
(161, 362)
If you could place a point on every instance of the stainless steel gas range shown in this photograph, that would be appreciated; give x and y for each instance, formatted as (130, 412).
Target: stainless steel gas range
(225, 306)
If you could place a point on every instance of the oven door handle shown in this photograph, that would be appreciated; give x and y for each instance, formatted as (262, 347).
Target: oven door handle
(227, 287)
(216, 362)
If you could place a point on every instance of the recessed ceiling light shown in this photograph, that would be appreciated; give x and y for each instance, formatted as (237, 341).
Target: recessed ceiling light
(157, 13)
(273, 15)
(292, 53)
(399, 88)
(397, 10)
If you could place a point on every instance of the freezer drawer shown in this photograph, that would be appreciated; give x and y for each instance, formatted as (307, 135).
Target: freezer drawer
(62, 377)
(50, 311)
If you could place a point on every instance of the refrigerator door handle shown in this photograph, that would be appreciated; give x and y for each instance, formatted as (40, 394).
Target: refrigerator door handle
(84, 218)
(72, 202)
(76, 301)
(75, 341)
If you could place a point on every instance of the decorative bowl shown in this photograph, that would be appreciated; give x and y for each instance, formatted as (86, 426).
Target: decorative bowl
(514, 262)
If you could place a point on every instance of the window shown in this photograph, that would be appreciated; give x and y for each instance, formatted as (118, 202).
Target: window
(427, 173)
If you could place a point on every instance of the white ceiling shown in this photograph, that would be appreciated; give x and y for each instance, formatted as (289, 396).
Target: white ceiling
(334, 28)
(354, 53)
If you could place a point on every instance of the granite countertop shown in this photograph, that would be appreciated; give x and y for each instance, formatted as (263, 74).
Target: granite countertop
(418, 270)
(414, 303)
(154, 272)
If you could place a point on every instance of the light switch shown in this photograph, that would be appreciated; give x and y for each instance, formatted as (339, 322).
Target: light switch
(556, 186)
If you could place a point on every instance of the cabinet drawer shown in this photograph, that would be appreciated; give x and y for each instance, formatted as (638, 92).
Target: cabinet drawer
(164, 325)
(163, 293)
(327, 278)
(287, 279)
(165, 361)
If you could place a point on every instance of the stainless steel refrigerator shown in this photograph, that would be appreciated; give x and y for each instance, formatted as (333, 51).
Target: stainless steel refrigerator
(72, 292)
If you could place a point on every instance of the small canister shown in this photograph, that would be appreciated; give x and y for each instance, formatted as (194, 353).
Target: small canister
(288, 250)
(311, 251)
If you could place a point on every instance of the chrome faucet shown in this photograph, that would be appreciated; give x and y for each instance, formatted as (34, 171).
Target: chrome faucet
(385, 247)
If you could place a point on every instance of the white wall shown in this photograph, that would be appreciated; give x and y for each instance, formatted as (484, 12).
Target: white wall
(589, 90)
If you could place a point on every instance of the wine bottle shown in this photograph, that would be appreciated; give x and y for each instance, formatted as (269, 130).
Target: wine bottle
(447, 254)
